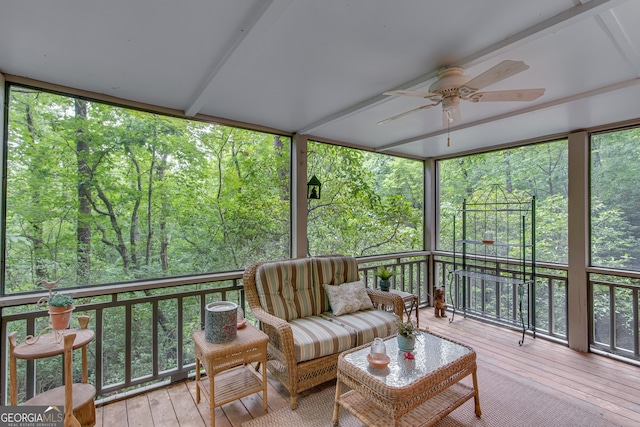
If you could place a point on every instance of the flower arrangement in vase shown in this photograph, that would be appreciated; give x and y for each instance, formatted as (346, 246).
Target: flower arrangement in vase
(407, 333)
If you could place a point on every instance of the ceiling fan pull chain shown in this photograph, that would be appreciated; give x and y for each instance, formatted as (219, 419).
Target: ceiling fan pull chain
(448, 127)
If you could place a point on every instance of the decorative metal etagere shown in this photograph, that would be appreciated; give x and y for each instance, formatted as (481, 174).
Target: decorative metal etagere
(494, 259)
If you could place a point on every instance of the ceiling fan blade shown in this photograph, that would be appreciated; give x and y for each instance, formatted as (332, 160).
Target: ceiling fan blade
(493, 75)
(413, 93)
(406, 113)
(507, 95)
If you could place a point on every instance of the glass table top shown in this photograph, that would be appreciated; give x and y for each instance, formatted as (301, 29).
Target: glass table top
(430, 354)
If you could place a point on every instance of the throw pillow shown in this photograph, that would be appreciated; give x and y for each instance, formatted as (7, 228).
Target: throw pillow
(348, 297)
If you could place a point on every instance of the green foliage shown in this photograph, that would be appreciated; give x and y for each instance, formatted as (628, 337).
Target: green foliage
(383, 273)
(407, 328)
(538, 171)
(615, 196)
(103, 194)
(60, 300)
(371, 203)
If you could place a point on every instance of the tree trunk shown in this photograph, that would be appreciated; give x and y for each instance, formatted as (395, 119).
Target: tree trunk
(83, 230)
(35, 234)
(134, 231)
(120, 246)
(550, 172)
(147, 256)
(236, 163)
(507, 171)
(283, 174)
(164, 238)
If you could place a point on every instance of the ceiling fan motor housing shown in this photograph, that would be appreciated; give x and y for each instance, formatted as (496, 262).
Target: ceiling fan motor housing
(448, 81)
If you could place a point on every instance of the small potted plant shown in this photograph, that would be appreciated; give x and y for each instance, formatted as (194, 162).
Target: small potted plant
(384, 274)
(406, 334)
(60, 309)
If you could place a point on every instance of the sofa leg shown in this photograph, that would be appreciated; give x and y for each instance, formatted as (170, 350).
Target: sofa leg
(294, 402)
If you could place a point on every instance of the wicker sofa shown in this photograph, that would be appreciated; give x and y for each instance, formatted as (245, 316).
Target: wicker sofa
(305, 337)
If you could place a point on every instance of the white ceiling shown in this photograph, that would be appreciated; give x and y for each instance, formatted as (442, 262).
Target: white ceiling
(320, 67)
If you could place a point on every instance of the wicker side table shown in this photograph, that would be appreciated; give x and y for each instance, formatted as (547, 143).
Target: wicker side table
(249, 346)
(410, 304)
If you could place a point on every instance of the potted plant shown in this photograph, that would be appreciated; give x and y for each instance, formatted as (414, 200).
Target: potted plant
(406, 335)
(384, 276)
(60, 309)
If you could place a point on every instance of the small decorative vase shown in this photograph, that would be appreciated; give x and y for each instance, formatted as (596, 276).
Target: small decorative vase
(221, 321)
(487, 238)
(406, 343)
(60, 317)
(384, 285)
(378, 349)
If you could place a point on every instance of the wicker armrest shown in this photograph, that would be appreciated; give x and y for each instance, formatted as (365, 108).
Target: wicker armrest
(280, 335)
(261, 315)
(281, 327)
(387, 299)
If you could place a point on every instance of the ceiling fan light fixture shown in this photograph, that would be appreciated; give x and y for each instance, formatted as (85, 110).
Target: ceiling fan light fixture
(451, 111)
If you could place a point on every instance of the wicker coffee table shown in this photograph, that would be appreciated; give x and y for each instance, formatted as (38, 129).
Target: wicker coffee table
(417, 392)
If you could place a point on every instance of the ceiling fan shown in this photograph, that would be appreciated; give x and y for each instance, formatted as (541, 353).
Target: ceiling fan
(451, 86)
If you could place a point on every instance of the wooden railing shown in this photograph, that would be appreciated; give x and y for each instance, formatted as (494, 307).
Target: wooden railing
(614, 324)
(143, 337)
(143, 329)
(410, 273)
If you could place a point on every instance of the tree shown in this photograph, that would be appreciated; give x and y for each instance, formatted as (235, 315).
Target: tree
(371, 203)
(83, 229)
(100, 194)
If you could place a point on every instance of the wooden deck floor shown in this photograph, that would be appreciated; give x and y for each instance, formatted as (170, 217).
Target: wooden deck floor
(610, 385)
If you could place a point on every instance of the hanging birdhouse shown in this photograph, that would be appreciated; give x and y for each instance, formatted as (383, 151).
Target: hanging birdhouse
(313, 188)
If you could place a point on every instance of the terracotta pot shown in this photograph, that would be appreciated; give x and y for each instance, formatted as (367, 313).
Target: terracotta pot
(60, 317)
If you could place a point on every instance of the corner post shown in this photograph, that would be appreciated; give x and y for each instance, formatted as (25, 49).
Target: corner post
(299, 196)
(578, 234)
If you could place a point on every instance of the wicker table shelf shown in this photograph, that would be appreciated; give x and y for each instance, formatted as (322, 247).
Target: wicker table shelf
(249, 346)
(417, 392)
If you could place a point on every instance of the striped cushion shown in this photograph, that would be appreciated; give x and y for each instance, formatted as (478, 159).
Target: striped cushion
(315, 337)
(285, 288)
(333, 270)
(366, 325)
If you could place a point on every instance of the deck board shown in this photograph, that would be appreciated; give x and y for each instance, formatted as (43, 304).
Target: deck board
(183, 404)
(162, 413)
(112, 414)
(608, 384)
(596, 380)
(139, 411)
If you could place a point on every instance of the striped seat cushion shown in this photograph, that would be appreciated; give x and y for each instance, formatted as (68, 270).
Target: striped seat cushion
(333, 270)
(365, 325)
(315, 337)
(285, 288)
